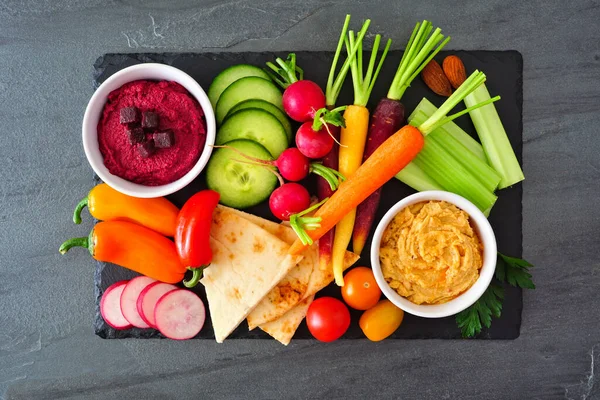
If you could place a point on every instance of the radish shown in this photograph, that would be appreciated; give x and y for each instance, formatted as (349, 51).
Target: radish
(301, 98)
(148, 298)
(179, 314)
(129, 297)
(315, 139)
(294, 166)
(110, 306)
(289, 198)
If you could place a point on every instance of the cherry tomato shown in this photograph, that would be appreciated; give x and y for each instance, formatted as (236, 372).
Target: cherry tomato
(381, 321)
(360, 290)
(327, 319)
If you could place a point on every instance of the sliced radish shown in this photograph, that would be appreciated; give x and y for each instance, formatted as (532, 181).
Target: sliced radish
(110, 306)
(129, 300)
(148, 298)
(179, 314)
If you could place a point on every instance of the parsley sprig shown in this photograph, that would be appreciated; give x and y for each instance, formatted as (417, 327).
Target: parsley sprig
(513, 271)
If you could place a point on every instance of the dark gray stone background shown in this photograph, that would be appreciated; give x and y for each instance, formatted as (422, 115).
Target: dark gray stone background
(47, 346)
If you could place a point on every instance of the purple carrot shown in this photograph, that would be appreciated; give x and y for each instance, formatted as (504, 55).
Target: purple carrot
(387, 119)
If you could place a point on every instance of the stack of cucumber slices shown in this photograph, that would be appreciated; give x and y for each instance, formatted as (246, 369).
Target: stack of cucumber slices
(251, 119)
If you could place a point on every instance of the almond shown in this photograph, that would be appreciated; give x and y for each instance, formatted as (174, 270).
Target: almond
(434, 78)
(454, 70)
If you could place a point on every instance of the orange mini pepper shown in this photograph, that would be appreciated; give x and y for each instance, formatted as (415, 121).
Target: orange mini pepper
(107, 204)
(134, 247)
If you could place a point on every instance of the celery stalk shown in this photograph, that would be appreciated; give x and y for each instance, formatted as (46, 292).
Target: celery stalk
(417, 179)
(452, 175)
(451, 129)
(493, 138)
(479, 169)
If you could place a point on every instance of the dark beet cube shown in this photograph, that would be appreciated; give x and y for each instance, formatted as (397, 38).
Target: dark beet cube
(146, 149)
(164, 139)
(129, 115)
(149, 120)
(135, 135)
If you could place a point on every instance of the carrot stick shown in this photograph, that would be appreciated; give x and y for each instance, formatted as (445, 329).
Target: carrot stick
(393, 155)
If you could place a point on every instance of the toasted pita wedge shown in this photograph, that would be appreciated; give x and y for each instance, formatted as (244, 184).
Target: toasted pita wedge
(306, 275)
(247, 263)
(284, 327)
(287, 293)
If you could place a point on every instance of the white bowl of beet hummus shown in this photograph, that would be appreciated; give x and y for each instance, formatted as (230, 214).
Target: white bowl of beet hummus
(433, 254)
(148, 130)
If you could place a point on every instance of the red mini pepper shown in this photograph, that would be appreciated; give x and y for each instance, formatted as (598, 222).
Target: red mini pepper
(192, 233)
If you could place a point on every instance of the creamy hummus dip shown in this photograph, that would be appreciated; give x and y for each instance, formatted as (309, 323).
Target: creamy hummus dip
(430, 253)
(178, 111)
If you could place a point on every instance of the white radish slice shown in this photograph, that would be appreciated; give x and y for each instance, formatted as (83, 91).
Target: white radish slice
(129, 300)
(148, 298)
(179, 314)
(110, 306)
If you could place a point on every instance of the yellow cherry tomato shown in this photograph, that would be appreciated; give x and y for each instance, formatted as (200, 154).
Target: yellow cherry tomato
(381, 321)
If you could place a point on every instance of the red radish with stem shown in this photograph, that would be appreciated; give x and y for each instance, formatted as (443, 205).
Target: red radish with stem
(315, 139)
(110, 306)
(294, 166)
(289, 198)
(301, 98)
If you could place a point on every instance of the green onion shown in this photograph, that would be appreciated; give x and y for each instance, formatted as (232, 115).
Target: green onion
(421, 49)
(493, 138)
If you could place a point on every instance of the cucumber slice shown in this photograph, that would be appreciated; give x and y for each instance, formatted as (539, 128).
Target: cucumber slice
(256, 125)
(264, 105)
(230, 75)
(250, 87)
(240, 185)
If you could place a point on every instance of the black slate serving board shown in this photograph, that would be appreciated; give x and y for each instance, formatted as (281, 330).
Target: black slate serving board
(504, 71)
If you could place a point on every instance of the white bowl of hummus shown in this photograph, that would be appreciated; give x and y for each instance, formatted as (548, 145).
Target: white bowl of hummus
(433, 254)
(148, 130)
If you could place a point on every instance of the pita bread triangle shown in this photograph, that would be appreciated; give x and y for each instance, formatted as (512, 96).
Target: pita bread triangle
(247, 264)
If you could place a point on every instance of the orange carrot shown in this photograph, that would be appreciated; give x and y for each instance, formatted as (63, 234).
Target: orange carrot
(389, 159)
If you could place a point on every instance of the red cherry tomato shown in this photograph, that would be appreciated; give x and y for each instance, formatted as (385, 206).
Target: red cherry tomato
(327, 319)
(360, 290)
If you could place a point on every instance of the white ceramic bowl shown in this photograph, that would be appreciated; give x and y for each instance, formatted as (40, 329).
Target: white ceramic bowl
(463, 301)
(93, 112)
